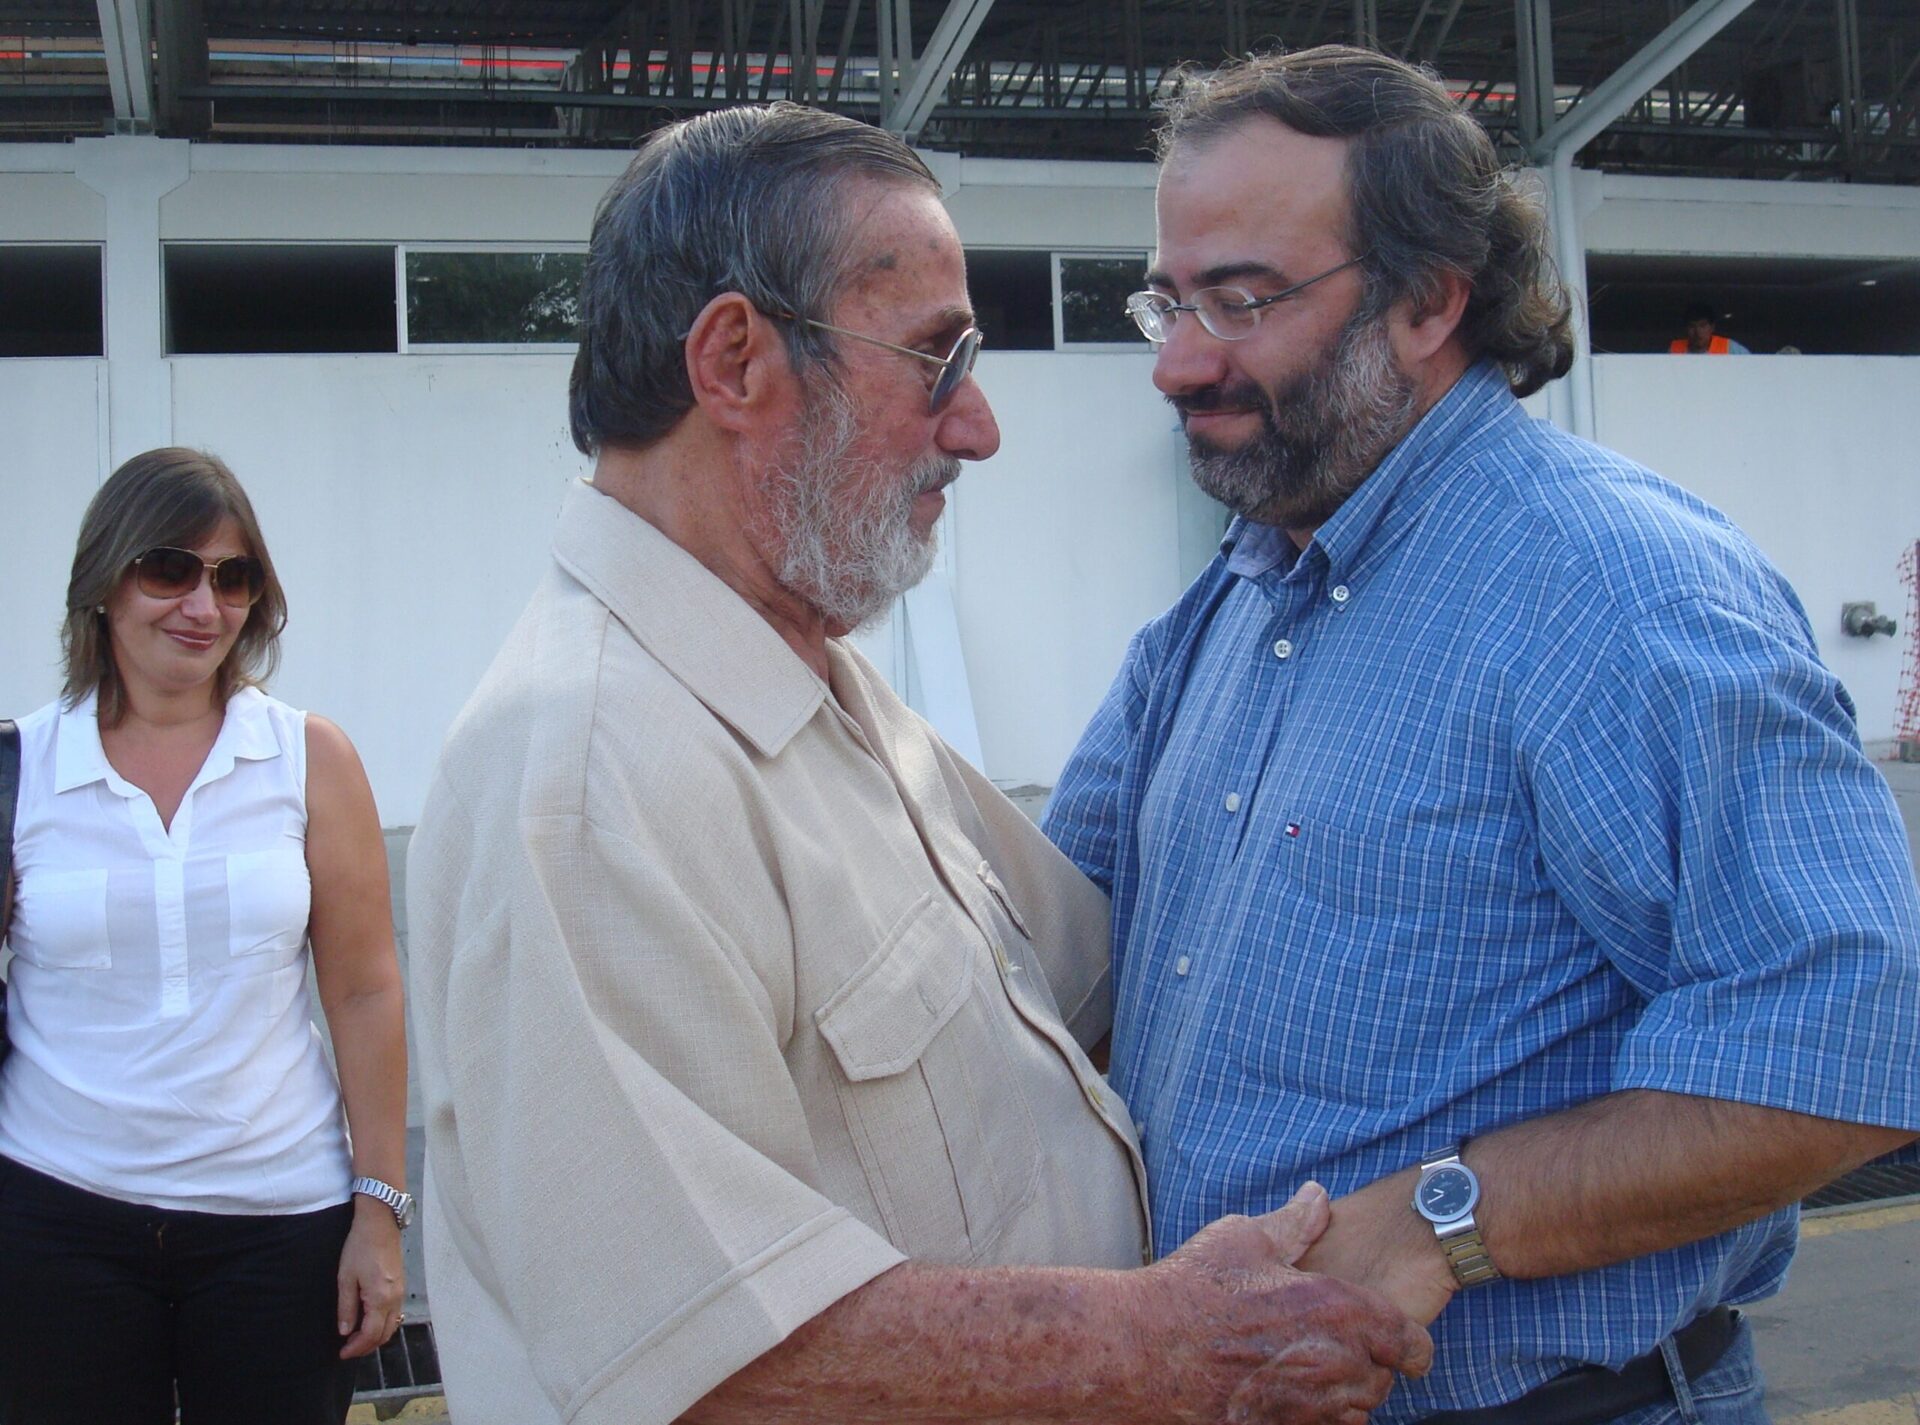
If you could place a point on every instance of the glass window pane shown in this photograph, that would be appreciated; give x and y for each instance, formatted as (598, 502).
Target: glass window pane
(1012, 296)
(271, 297)
(50, 301)
(1093, 299)
(493, 297)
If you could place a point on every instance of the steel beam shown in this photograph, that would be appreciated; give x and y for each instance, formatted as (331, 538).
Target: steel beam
(1579, 126)
(1533, 37)
(1617, 93)
(1846, 18)
(180, 60)
(840, 55)
(1441, 35)
(1366, 23)
(945, 48)
(125, 44)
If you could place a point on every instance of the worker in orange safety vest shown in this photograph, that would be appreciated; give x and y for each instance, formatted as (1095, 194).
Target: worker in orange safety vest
(1701, 340)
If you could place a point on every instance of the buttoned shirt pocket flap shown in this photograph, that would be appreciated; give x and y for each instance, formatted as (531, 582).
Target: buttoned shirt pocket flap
(269, 901)
(60, 920)
(883, 1018)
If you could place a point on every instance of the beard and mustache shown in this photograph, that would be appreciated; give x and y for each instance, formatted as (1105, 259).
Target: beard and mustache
(1322, 433)
(844, 529)
(841, 524)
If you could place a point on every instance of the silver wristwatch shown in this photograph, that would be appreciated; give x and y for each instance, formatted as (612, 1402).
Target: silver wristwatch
(1446, 1195)
(400, 1202)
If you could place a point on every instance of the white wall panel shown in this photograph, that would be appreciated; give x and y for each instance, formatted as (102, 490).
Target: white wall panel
(1732, 217)
(50, 207)
(50, 465)
(382, 207)
(1814, 456)
(408, 502)
(1064, 544)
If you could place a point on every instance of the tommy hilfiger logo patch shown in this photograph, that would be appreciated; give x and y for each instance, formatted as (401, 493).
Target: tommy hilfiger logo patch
(1293, 828)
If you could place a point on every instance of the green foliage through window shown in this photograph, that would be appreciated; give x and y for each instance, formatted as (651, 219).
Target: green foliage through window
(1093, 299)
(493, 298)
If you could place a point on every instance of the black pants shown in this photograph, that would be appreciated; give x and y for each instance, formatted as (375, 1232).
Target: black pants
(107, 1307)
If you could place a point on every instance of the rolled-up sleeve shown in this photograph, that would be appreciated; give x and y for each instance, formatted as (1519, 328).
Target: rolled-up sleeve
(1706, 810)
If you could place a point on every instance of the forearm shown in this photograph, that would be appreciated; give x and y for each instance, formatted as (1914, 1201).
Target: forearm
(370, 1051)
(1640, 1172)
(1616, 1178)
(1224, 1330)
(924, 1343)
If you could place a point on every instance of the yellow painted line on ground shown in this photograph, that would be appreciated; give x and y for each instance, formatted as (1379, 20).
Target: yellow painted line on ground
(1854, 1221)
(432, 1410)
(1901, 1410)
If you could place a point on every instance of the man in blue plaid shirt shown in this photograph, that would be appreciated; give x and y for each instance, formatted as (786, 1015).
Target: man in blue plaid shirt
(1486, 839)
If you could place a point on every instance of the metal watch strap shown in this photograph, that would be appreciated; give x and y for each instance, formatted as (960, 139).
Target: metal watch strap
(1466, 1253)
(398, 1202)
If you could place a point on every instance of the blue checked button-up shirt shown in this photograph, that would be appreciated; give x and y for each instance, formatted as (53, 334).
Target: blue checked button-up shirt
(1521, 785)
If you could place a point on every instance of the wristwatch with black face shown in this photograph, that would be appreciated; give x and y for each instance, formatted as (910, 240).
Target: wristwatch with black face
(400, 1202)
(1446, 1195)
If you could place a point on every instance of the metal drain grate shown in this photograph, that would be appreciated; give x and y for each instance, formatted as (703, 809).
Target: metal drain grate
(1874, 1183)
(406, 1366)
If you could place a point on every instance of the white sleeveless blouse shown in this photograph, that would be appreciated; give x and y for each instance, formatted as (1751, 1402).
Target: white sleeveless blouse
(163, 1046)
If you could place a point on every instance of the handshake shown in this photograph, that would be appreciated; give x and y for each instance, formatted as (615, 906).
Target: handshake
(1236, 1328)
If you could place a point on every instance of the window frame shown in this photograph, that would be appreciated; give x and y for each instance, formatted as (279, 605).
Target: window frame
(98, 247)
(409, 347)
(1139, 347)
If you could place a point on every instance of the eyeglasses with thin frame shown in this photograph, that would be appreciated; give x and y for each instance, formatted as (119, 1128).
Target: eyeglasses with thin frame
(1230, 313)
(167, 573)
(955, 366)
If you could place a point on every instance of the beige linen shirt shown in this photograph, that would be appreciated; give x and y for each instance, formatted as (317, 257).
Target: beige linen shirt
(729, 992)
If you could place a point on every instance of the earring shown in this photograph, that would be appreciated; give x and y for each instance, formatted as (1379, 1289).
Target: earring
(100, 608)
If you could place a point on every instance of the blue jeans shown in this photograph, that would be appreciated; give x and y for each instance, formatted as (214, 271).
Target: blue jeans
(1728, 1393)
(112, 1307)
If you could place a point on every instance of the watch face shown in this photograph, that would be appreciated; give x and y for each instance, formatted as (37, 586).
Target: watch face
(406, 1211)
(1446, 1194)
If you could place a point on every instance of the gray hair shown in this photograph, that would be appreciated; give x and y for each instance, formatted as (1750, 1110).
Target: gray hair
(1426, 193)
(171, 496)
(748, 200)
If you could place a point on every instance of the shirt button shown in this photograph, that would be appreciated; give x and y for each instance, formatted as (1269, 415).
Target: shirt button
(1340, 594)
(1233, 801)
(1282, 649)
(1182, 965)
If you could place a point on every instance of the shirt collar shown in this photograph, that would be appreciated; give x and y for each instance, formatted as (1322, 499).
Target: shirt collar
(79, 757)
(1388, 498)
(699, 629)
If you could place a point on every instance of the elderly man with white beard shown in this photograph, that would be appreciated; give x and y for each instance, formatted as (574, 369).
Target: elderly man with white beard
(751, 1020)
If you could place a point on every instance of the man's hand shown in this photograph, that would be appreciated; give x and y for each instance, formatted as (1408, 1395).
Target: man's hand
(1378, 1241)
(1236, 1333)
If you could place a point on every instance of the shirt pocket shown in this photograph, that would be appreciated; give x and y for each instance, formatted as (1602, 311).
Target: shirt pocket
(269, 900)
(60, 920)
(941, 1125)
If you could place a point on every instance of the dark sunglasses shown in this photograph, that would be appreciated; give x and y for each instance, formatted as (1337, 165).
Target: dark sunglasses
(167, 573)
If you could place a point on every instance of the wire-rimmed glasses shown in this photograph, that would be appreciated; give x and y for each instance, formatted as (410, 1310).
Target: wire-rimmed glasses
(1230, 313)
(955, 366)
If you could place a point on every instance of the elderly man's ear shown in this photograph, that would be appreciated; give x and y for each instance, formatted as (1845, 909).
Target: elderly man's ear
(736, 361)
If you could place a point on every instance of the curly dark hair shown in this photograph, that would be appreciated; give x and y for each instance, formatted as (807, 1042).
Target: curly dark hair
(1426, 192)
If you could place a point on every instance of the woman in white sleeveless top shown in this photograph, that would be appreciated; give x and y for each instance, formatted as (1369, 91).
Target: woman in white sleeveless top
(192, 1204)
